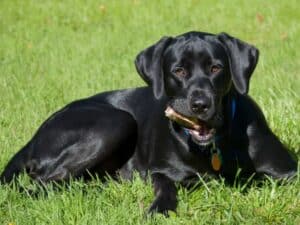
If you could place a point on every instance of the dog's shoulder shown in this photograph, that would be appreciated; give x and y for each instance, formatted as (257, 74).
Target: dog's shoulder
(250, 116)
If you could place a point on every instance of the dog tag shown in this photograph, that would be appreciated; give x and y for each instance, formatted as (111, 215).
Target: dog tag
(216, 162)
(216, 159)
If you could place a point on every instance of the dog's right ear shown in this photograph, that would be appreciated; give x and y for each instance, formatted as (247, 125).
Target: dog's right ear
(148, 63)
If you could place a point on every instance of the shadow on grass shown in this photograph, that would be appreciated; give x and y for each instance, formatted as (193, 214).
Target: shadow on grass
(35, 189)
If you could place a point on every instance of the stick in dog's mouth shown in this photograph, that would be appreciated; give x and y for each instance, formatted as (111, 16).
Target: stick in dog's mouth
(198, 129)
(187, 122)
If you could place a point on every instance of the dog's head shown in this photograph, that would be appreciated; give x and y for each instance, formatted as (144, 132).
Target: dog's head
(196, 71)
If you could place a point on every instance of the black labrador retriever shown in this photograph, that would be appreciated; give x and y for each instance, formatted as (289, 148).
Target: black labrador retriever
(195, 118)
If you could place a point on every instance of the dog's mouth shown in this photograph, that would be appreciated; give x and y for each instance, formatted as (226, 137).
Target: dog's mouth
(200, 131)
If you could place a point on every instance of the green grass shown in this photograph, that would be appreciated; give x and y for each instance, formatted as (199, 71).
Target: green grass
(52, 52)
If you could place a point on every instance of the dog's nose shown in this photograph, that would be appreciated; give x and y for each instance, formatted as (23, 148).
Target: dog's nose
(200, 104)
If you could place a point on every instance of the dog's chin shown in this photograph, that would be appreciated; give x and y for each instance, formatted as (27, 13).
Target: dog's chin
(201, 132)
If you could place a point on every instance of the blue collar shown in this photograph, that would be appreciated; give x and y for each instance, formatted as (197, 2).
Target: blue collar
(233, 108)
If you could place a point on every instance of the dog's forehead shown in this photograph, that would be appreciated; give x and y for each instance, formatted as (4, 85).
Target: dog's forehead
(197, 44)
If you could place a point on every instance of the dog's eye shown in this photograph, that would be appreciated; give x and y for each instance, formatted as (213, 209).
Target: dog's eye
(180, 72)
(215, 69)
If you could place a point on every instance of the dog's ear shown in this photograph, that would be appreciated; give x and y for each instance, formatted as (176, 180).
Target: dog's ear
(243, 58)
(148, 63)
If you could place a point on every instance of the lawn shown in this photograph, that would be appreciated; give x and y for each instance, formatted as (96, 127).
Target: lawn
(53, 52)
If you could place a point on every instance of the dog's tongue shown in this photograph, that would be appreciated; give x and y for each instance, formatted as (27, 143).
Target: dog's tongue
(204, 130)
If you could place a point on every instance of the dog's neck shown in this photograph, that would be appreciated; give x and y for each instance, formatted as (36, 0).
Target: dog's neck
(230, 102)
(214, 151)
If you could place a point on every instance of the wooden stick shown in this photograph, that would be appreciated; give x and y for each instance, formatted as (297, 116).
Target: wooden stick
(184, 121)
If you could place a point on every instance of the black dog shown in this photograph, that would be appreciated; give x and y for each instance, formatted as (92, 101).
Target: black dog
(212, 127)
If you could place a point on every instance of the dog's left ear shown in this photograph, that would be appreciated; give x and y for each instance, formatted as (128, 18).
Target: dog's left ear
(148, 63)
(243, 58)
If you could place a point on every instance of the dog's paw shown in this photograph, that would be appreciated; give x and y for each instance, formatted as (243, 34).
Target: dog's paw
(162, 205)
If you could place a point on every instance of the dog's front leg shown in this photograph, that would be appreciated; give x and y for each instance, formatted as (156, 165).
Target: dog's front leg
(165, 194)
